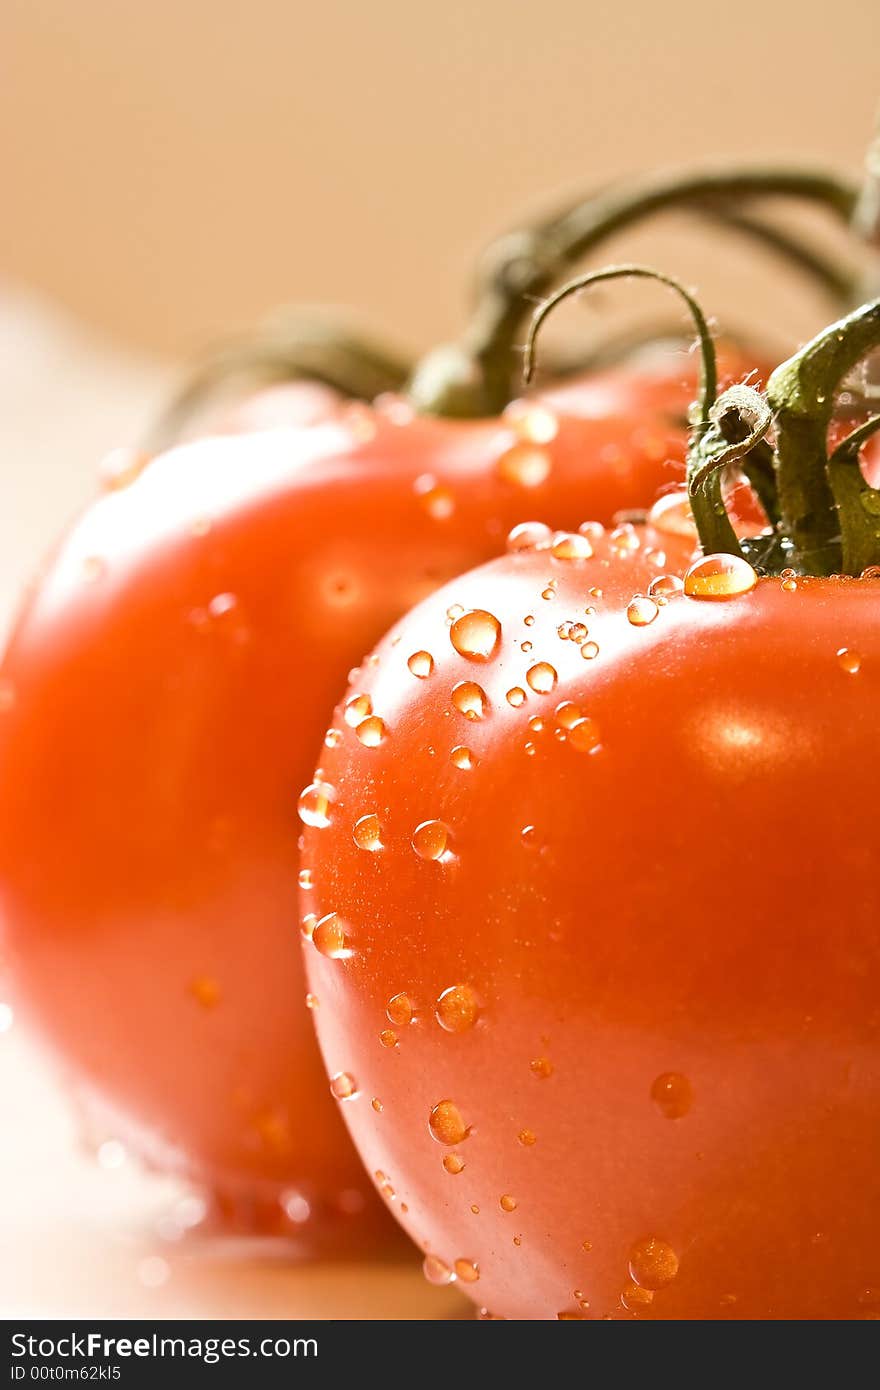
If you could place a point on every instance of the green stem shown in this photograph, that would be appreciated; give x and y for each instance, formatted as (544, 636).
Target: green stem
(474, 377)
(291, 346)
(801, 394)
(858, 504)
(707, 503)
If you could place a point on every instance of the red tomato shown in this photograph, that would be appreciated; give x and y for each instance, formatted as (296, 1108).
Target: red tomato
(164, 695)
(594, 936)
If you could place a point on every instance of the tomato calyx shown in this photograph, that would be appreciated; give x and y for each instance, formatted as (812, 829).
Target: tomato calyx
(477, 375)
(824, 515)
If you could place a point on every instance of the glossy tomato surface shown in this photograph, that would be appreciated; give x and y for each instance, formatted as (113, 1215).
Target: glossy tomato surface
(595, 936)
(164, 695)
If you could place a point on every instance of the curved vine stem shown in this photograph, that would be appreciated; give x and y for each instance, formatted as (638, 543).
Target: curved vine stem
(707, 503)
(474, 377)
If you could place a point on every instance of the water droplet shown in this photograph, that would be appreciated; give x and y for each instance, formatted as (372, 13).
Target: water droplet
(308, 924)
(587, 1245)
(624, 539)
(568, 714)
(305, 879)
(872, 572)
(312, 1001)
(7, 695)
(421, 664)
(111, 1155)
(849, 661)
(527, 1138)
(120, 468)
(590, 650)
(529, 620)
(296, 1207)
(453, 1163)
(528, 535)
(343, 1086)
(206, 991)
(548, 593)
(641, 610)
(475, 1209)
(788, 585)
(507, 1203)
(673, 1094)
(719, 577)
(446, 1124)
(332, 738)
(671, 515)
(430, 839)
(652, 1263)
(467, 1271)
(438, 501)
(388, 1038)
(435, 1271)
(367, 833)
(665, 585)
(524, 465)
(399, 1010)
(330, 937)
(463, 758)
(476, 635)
(372, 731)
(534, 423)
(593, 530)
(457, 1009)
(584, 736)
(536, 723)
(526, 647)
(571, 546)
(577, 633)
(377, 1105)
(541, 1067)
(383, 1182)
(529, 749)
(470, 699)
(516, 696)
(454, 611)
(315, 803)
(357, 709)
(541, 677)
(636, 1299)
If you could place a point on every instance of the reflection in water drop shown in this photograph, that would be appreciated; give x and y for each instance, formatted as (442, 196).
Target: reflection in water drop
(719, 577)
(476, 634)
(446, 1124)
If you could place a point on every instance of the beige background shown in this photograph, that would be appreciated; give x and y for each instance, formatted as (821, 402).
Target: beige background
(170, 170)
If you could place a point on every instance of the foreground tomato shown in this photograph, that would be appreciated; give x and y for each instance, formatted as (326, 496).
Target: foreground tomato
(166, 688)
(593, 911)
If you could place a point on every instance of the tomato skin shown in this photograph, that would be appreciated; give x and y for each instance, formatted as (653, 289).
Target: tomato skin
(677, 965)
(165, 691)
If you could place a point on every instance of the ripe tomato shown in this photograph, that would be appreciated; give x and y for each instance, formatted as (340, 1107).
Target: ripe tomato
(599, 1075)
(163, 697)
(594, 936)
